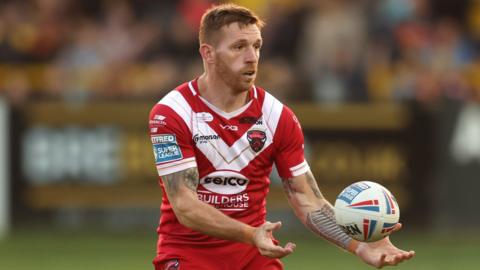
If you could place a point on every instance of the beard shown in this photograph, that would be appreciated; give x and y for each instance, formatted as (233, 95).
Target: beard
(233, 79)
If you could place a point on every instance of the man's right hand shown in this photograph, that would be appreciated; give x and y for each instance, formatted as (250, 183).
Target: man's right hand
(263, 240)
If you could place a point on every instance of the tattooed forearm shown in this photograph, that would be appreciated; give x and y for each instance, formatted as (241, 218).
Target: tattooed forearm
(313, 185)
(322, 222)
(188, 178)
(288, 187)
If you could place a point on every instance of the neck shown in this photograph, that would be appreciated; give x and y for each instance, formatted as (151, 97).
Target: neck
(221, 95)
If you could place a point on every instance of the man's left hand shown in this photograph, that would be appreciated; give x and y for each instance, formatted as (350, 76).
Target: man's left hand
(382, 253)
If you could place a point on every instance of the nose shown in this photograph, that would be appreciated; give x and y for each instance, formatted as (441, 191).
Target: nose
(251, 55)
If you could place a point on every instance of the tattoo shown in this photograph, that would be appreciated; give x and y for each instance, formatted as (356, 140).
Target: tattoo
(313, 185)
(322, 222)
(188, 178)
(288, 186)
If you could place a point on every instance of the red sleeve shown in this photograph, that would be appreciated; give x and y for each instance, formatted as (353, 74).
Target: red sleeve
(289, 158)
(171, 140)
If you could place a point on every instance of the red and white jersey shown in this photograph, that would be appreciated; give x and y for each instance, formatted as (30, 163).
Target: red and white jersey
(234, 153)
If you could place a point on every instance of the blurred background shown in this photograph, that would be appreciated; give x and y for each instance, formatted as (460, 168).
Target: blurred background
(386, 90)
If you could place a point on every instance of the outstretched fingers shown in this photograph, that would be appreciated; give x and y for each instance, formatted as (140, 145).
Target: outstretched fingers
(405, 255)
(387, 260)
(395, 258)
(382, 261)
(274, 251)
(290, 246)
(267, 247)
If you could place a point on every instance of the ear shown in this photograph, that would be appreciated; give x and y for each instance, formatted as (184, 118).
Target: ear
(207, 53)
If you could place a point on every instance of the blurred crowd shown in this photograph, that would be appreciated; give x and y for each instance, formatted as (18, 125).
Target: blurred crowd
(326, 51)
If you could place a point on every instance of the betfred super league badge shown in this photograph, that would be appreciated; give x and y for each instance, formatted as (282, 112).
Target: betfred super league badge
(256, 139)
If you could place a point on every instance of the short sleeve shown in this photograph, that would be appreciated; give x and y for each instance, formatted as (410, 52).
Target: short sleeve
(171, 141)
(289, 159)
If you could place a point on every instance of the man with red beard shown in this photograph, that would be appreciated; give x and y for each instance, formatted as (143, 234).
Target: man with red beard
(215, 140)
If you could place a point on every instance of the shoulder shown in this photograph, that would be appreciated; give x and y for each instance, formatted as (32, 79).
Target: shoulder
(174, 103)
(170, 114)
(274, 111)
(278, 114)
(268, 100)
(178, 95)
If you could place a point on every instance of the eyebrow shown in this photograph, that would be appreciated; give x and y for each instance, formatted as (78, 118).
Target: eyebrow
(244, 40)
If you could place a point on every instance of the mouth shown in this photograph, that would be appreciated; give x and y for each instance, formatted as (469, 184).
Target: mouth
(249, 73)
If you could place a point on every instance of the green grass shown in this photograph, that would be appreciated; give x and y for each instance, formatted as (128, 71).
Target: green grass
(439, 253)
(52, 250)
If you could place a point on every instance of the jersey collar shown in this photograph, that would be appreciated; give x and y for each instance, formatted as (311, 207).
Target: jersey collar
(193, 86)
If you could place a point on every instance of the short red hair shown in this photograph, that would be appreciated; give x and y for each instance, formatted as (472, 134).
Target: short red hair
(220, 15)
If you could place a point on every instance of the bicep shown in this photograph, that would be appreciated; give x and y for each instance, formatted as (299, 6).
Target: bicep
(289, 145)
(181, 184)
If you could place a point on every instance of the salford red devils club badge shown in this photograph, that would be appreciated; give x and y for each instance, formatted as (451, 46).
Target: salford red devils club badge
(256, 139)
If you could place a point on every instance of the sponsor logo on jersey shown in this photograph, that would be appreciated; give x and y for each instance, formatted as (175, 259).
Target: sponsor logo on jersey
(158, 120)
(224, 182)
(204, 138)
(256, 139)
(229, 127)
(225, 190)
(165, 148)
(352, 191)
(204, 117)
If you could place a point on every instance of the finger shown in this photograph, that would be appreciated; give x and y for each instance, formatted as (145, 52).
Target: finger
(391, 260)
(411, 254)
(381, 262)
(397, 227)
(290, 246)
(398, 258)
(394, 260)
(401, 257)
(279, 251)
(408, 255)
(272, 226)
(275, 251)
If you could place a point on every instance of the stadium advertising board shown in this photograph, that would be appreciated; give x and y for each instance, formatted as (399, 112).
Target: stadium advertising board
(99, 154)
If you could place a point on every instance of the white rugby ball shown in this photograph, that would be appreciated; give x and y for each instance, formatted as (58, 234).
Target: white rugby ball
(366, 211)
